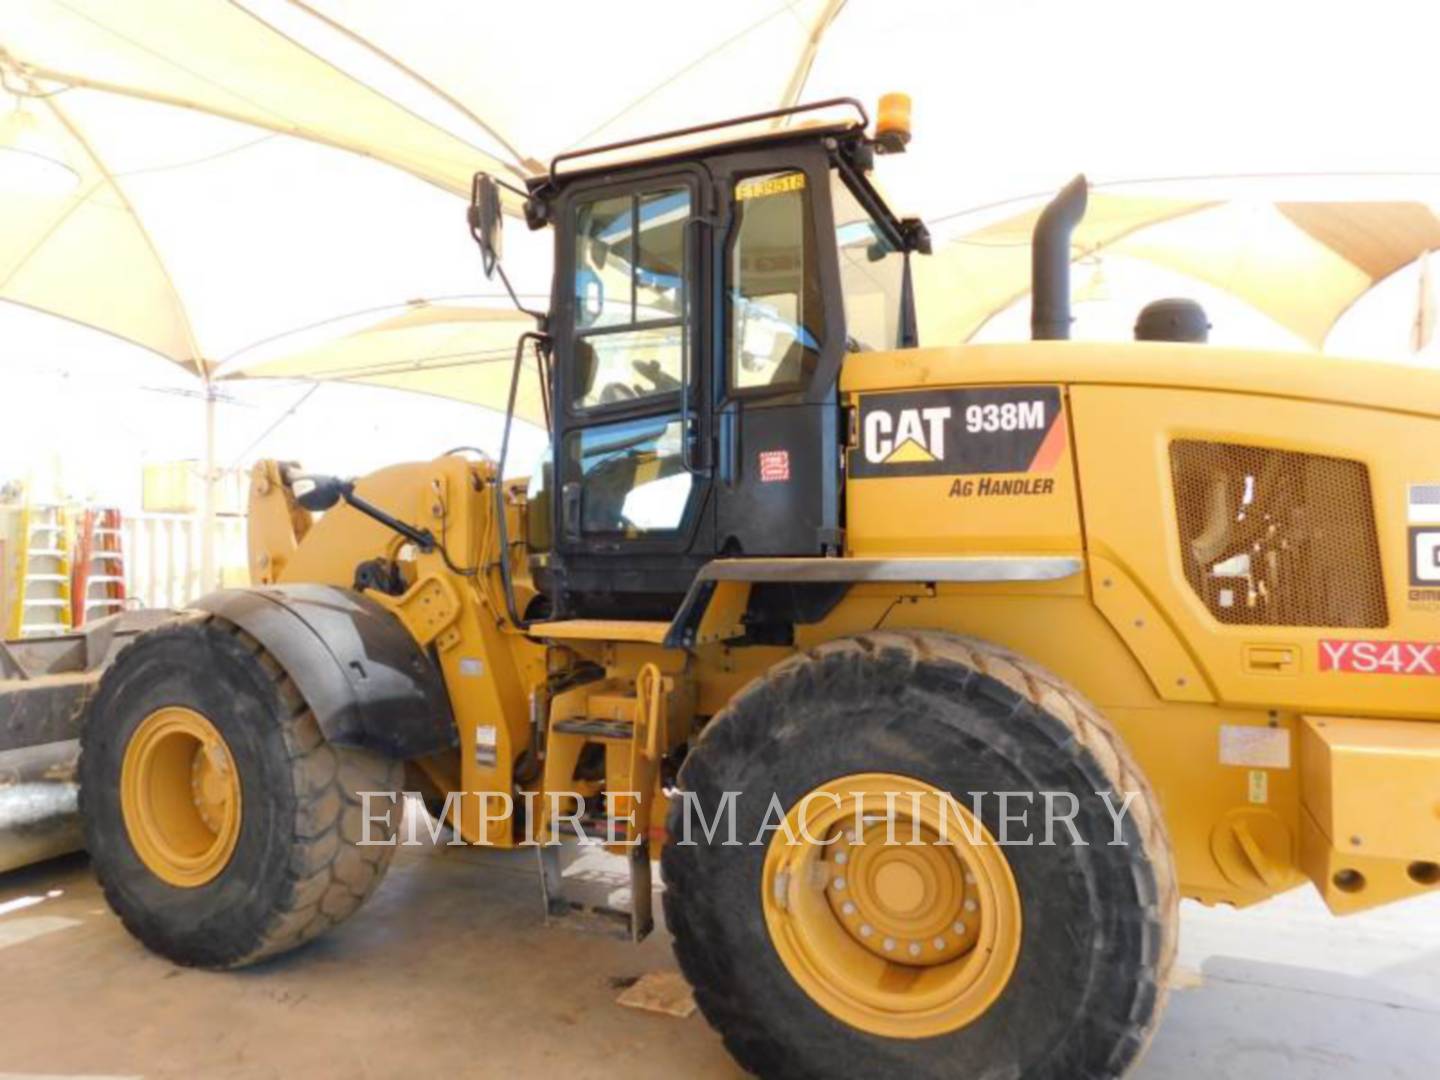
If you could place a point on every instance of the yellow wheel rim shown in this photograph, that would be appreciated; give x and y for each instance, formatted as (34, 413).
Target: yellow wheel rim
(891, 906)
(180, 796)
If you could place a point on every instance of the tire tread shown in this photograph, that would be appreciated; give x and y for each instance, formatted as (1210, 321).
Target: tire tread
(1019, 684)
(327, 878)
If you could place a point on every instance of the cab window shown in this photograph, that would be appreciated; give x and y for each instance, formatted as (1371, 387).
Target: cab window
(630, 296)
(872, 273)
(776, 308)
(633, 475)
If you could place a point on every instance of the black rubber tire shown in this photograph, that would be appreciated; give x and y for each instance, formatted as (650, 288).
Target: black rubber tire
(297, 868)
(1099, 921)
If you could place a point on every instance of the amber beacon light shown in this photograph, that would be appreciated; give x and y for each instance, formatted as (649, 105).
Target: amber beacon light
(893, 121)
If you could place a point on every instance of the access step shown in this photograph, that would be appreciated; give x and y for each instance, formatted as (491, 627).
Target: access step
(651, 633)
(595, 729)
(633, 923)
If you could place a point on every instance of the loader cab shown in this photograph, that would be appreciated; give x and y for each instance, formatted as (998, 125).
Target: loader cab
(702, 306)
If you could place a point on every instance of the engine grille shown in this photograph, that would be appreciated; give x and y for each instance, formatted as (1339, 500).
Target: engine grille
(1277, 538)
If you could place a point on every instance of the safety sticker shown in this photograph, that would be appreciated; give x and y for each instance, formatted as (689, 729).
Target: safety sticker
(487, 742)
(1259, 787)
(1255, 747)
(1423, 504)
(1007, 429)
(1380, 657)
(774, 466)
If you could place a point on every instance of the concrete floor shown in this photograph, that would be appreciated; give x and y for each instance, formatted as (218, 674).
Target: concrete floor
(449, 968)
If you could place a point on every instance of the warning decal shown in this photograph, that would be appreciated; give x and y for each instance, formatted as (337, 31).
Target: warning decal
(1422, 504)
(774, 466)
(1011, 429)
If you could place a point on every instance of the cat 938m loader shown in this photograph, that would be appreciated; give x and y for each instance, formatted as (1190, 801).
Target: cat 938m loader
(933, 677)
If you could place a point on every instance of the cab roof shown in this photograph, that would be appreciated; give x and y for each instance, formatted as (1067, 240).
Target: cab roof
(756, 129)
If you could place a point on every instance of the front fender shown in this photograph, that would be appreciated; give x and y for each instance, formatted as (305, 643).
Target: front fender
(366, 679)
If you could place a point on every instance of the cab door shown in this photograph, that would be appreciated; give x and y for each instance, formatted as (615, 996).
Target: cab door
(631, 434)
(782, 340)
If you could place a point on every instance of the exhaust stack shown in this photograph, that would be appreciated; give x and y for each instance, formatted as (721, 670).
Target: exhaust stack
(1050, 262)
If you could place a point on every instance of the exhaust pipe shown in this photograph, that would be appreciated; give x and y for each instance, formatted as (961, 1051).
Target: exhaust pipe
(1050, 262)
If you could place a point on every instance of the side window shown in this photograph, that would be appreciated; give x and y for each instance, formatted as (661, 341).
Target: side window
(632, 475)
(630, 296)
(776, 309)
(872, 273)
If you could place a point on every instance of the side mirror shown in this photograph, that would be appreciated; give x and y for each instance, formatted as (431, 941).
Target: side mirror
(486, 221)
(317, 493)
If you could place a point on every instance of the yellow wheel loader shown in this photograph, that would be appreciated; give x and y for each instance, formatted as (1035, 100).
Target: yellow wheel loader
(934, 676)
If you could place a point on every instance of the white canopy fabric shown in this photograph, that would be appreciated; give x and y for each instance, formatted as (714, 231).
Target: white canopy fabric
(227, 60)
(575, 73)
(196, 237)
(1008, 98)
(1303, 262)
(464, 353)
(1015, 98)
(208, 204)
(204, 138)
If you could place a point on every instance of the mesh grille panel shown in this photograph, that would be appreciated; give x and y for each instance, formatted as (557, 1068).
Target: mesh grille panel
(1275, 538)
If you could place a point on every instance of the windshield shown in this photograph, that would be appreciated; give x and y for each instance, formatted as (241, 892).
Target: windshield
(630, 256)
(871, 272)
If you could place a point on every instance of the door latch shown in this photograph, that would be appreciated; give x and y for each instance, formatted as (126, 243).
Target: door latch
(1272, 659)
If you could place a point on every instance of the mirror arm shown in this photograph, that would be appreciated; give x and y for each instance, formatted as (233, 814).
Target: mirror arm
(542, 343)
(424, 539)
(909, 335)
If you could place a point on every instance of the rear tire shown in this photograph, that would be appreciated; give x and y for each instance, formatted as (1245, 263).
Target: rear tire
(1098, 922)
(295, 867)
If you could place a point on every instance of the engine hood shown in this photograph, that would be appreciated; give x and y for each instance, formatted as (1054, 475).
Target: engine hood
(1369, 384)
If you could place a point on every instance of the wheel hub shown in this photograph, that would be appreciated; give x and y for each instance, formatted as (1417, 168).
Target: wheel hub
(905, 903)
(180, 796)
(899, 916)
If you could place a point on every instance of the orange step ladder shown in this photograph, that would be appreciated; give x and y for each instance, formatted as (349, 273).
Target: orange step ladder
(98, 585)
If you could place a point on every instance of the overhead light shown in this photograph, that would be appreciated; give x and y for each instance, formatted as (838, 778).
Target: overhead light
(32, 160)
(892, 125)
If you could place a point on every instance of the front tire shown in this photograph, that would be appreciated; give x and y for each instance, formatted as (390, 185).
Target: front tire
(221, 825)
(1060, 953)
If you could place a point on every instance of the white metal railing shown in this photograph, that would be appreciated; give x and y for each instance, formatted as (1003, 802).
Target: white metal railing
(162, 557)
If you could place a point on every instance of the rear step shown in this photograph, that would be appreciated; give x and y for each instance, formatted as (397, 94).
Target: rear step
(632, 923)
(632, 725)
